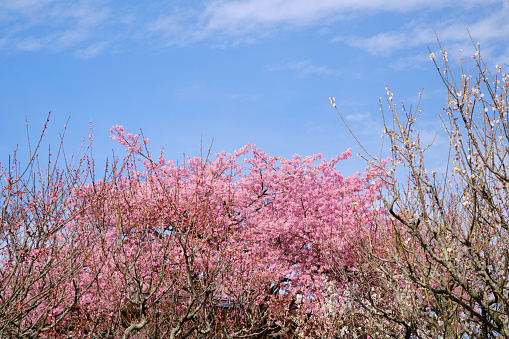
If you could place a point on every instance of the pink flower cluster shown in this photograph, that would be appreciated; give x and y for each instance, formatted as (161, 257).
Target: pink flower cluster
(167, 248)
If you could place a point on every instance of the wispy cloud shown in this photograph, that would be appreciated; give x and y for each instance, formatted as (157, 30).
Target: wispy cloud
(236, 18)
(225, 15)
(51, 25)
(29, 44)
(306, 67)
(358, 117)
(365, 123)
(419, 61)
(386, 43)
(79, 25)
(23, 5)
(453, 31)
(91, 50)
(175, 25)
(229, 22)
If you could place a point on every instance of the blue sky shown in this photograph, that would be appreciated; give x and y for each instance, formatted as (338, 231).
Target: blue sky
(256, 71)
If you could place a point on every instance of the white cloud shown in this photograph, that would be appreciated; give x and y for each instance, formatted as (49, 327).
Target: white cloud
(179, 26)
(228, 13)
(16, 5)
(419, 61)
(50, 25)
(236, 21)
(61, 24)
(30, 44)
(306, 67)
(240, 17)
(91, 50)
(365, 124)
(453, 31)
(52, 42)
(358, 117)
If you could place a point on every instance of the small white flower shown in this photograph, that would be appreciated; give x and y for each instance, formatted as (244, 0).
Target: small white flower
(432, 56)
(332, 101)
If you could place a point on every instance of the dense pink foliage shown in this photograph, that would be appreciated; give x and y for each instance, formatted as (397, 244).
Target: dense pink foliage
(162, 245)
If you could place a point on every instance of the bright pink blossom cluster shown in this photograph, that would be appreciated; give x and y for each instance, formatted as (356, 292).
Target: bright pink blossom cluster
(234, 244)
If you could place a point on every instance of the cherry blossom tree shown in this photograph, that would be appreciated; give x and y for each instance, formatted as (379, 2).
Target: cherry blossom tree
(226, 246)
(234, 247)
